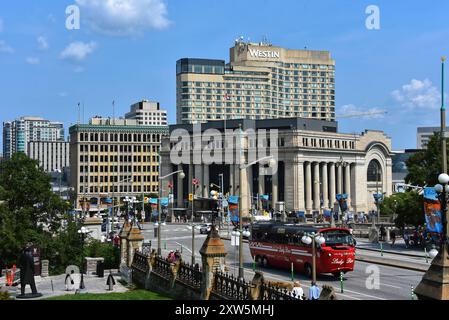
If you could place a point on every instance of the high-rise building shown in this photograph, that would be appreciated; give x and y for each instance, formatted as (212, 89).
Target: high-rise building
(424, 134)
(261, 81)
(114, 158)
(53, 156)
(148, 113)
(17, 133)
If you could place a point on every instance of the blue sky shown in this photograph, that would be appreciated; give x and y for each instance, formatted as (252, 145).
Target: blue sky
(130, 53)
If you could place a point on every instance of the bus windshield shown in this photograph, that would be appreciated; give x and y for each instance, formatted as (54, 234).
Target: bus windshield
(338, 237)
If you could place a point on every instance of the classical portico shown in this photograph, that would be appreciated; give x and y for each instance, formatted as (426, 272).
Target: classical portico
(314, 164)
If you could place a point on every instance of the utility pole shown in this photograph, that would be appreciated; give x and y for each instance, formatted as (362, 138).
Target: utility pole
(443, 120)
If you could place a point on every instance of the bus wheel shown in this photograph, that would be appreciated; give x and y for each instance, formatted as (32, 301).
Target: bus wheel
(265, 262)
(308, 270)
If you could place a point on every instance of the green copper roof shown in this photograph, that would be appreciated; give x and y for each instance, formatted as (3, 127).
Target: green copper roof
(118, 128)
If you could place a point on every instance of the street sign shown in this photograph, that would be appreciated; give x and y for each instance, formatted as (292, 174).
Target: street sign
(190, 196)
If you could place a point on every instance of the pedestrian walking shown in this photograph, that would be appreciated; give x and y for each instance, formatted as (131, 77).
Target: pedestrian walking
(297, 291)
(314, 291)
(382, 233)
(393, 237)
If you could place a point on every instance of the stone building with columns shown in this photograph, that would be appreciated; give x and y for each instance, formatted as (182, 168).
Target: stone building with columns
(314, 162)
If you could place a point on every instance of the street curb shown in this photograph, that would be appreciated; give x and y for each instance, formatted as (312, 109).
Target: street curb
(391, 264)
(393, 252)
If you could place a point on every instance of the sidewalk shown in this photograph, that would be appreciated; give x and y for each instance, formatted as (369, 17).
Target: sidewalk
(398, 248)
(55, 286)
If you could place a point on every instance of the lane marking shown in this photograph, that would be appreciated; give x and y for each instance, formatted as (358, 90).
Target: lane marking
(389, 285)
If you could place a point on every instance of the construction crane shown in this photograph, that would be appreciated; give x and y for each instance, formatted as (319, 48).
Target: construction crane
(361, 114)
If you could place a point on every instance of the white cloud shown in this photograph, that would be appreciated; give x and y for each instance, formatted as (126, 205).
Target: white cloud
(42, 43)
(124, 17)
(78, 51)
(418, 94)
(33, 60)
(351, 111)
(5, 48)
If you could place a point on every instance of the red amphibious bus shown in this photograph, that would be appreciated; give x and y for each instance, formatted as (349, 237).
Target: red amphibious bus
(278, 245)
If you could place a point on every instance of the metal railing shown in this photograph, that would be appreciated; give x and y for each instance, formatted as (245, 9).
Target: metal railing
(268, 292)
(229, 287)
(189, 275)
(162, 267)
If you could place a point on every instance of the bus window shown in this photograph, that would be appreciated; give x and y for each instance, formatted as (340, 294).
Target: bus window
(338, 237)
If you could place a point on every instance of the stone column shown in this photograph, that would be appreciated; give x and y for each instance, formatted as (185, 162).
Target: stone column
(180, 190)
(206, 181)
(339, 180)
(213, 254)
(308, 187)
(261, 185)
(274, 188)
(135, 240)
(325, 185)
(332, 193)
(244, 191)
(250, 193)
(199, 177)
(316, 186)
(294, 185)
(348, 183)
(231, 180)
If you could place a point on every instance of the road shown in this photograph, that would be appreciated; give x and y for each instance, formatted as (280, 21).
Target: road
(393, 283)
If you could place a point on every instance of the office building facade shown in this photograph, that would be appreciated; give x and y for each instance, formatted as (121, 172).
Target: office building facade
(148, 113)
(424, 134)
(18, 133)
(261, 81)
(114, 158)
(314, 163)
(53, 156)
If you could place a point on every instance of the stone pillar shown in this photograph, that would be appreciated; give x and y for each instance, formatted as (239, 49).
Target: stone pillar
(213, 254)
(199, 177)
(359, 201)
(274, 188)
(308, 187)
(325, 185)
(348, 183)
(249, 182)
(135, 241)
(332, 185)
(261, 186)
(316, 186)
(124, 243)
(44, 268)
(180, 191)
(294, 185)
(231, 180)
(206, 181)
(339, 180)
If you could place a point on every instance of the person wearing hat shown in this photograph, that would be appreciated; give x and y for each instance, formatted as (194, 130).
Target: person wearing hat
(297, 291)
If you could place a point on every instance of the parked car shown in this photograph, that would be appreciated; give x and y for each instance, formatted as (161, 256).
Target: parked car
(206, 228)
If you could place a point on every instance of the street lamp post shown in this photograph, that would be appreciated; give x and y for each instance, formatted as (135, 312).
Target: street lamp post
(83, 232)
(182, 176)
(271, 163)
(314, 239)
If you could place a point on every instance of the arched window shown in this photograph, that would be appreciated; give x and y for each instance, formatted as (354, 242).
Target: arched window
(374, 172)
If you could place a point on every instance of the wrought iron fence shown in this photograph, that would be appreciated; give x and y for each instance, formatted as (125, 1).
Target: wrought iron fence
(230, 287)
(268, 292)
(189, 275)
(162, 267)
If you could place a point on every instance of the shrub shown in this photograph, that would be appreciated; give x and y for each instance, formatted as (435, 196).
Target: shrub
(110, 253)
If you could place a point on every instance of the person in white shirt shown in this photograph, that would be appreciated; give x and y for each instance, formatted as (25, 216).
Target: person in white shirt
(297, 291)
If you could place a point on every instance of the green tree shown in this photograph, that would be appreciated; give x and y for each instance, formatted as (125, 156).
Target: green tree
(29, 211)
(408, 208)
(425, 165)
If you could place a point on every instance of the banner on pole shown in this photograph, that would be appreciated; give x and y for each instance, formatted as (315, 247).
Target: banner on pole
(432, 210)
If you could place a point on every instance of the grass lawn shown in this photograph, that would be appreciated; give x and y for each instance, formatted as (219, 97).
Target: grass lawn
(130, 295)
